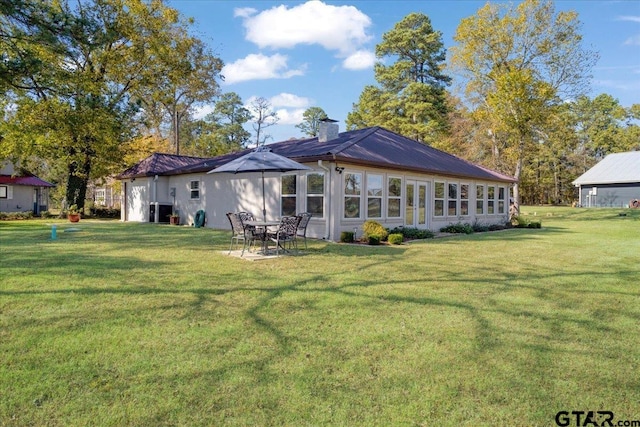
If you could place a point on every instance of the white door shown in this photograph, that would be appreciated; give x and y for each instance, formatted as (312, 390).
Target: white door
(416, 206)
(137, 203)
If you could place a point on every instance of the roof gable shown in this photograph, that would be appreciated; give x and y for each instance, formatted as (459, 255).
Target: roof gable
(615, 168)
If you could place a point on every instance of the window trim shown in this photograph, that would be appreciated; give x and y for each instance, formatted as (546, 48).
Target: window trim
(389, 197)
(322, 195)
(464, 200)
(453, 199)
(192, 189)
(345, 196)
(482, 202)
(380, 197)
(6, 191)
(441, 199)
(293, 195)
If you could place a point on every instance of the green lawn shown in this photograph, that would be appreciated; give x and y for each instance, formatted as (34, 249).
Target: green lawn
(147, 325)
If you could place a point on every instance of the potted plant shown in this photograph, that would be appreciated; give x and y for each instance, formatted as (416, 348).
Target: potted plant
(174, 219)
(72, 213)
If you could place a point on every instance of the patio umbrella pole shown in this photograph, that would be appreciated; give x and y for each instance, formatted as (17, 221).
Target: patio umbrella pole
(264, 206)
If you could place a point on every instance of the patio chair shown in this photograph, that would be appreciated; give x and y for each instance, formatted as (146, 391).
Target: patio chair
(241, 232)
(286, 233)
(302, 227)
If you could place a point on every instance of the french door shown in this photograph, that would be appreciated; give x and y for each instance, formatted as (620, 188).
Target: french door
(415, 207)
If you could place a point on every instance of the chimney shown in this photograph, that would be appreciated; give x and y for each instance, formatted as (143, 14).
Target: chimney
(327, 130)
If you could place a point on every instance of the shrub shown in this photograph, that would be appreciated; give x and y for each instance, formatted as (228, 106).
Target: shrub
(412, 233)
(395, 239)
(346, 237)
(458, 228)
(479, 227)
(373, 240)
(534, 224)
(520, 222)
(373, 228)
(103, 212)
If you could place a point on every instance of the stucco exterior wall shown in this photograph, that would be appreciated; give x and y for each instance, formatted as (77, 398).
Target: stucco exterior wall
(219, 193)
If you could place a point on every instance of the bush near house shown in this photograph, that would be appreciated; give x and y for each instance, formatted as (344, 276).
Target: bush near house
(373, 229)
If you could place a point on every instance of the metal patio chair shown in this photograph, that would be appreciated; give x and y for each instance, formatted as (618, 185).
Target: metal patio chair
(240, 231)
(286, 234)
(302, 227)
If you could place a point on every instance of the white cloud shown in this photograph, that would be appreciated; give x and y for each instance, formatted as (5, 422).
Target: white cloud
(290, 100)
(259, 66)
(243, 12)
(336, 28)
(290, 117)
(629, 18)
(633, 41)
(359, 60)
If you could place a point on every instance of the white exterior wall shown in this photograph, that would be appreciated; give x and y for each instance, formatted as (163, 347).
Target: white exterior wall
(220, 193)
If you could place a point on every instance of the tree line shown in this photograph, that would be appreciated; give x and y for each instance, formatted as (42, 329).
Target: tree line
(90, 87)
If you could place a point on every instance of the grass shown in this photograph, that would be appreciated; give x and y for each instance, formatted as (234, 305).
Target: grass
(138, 324)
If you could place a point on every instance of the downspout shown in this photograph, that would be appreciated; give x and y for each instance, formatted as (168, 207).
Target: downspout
(328, 217)
(156, 217)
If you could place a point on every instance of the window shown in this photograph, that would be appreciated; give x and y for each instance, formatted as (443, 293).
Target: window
(195, 189)
(101, 197)
(438, 196)
(394, 196)
(3, 192)
(288, 195)
(480, 199)
(374, 196)
(501, 200)
(464, 199)
(491, 195)
(315, 194)
(352, 194)
(452, 203)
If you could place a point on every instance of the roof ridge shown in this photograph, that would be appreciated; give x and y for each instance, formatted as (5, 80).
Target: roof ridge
(354, 141)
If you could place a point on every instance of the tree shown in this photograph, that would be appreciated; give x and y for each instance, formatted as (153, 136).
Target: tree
(220, 132)
(311, 121)
(520, 63)
(411, 98)
(186, 74)
(263, 117)
(76, 71)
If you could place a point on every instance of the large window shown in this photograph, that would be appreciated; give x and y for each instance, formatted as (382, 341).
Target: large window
(394, 197)
(4, 193)
(479, 199)
(501, 200)
(194, 186)
(438, 199)
(288, 195)
(464, 199)
(491, 200)
(452, 202)
(352, 194)
(374, 196)
(315, 194)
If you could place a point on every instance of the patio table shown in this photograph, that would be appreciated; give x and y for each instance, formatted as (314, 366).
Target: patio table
(264, 225)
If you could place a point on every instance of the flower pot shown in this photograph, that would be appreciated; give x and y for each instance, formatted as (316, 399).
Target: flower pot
(73, 217)
(174, 220)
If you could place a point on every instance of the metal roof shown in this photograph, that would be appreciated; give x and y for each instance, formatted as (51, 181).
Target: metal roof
(29, 180)
(373, 146)
(615, 168)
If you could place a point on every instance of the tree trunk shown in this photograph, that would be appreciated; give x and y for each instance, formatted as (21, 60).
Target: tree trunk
(78, 179)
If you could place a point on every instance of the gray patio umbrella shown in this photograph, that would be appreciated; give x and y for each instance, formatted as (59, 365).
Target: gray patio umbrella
(261, 160)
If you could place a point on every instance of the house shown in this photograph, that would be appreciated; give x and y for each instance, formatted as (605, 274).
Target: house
(613, 182)
(21, 191)
(370, 173)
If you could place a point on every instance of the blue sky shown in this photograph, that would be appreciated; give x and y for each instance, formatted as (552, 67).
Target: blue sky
(301, 54)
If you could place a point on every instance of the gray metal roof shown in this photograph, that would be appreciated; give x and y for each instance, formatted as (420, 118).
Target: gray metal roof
(615, 168)
(373, 146)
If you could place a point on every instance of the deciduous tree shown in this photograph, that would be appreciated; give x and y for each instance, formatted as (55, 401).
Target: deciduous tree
(520, 62)
(311, 121)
